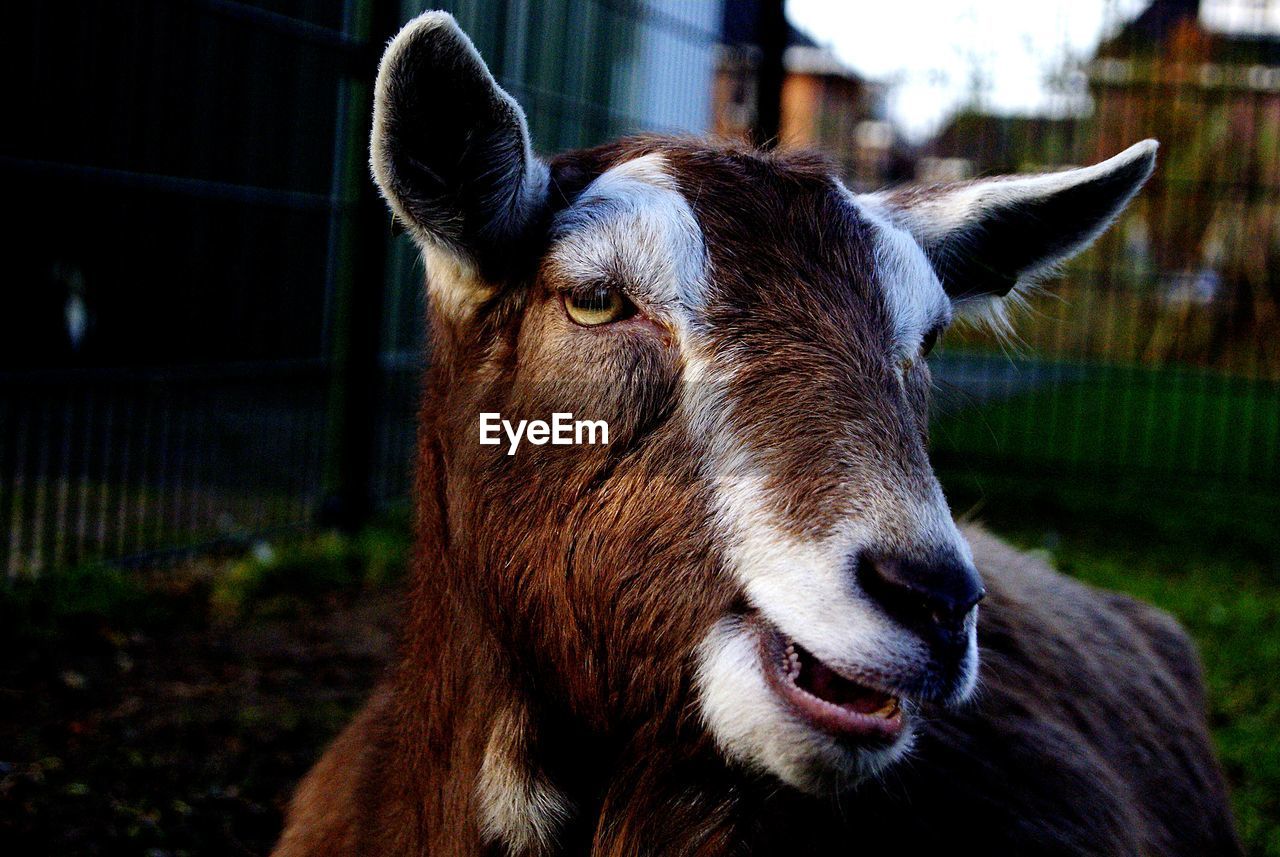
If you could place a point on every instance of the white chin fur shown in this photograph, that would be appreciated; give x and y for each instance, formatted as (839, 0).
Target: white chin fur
(753, 727)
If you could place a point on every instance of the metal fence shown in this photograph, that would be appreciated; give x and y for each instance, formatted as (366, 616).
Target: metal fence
(1157, 354)
(213, 331)
(208, 304)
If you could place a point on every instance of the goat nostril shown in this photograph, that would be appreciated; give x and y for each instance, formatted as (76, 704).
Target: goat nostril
(939, 594)
(951, 614)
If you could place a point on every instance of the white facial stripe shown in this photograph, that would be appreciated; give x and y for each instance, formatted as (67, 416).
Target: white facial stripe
(805, 586)
(915, 296)
(915, 290)
(800, 586)
(634, 223)
(897, 251)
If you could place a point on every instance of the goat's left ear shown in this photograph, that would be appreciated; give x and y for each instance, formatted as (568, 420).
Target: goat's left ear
(983, 237)
(450, 148)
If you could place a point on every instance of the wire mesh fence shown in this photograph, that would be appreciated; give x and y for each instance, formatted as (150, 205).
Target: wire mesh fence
(117, 463)
(188, 178)
(1156, 353)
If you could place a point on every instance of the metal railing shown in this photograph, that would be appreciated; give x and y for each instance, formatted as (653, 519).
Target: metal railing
(210, 302)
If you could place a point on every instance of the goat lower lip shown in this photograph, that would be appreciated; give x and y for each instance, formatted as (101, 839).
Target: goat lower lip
(825, 699)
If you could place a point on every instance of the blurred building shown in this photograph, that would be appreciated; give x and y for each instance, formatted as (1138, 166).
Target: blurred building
(826, 105)
(974, 143)
(1203, 76)
(1179, 57)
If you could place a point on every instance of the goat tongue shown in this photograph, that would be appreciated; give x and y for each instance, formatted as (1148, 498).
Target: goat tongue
(818, 679)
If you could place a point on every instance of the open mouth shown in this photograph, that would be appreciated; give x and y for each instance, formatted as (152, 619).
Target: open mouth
(826, 699)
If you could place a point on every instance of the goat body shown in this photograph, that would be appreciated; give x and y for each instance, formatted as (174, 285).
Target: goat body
(744, 621)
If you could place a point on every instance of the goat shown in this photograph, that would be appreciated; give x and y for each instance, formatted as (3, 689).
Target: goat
(748, 622)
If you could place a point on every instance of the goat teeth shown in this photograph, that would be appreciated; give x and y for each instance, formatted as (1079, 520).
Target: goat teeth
(888, 710)
(791, 662)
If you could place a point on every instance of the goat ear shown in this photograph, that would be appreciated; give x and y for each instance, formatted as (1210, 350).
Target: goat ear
(985, 236)
(450, 149)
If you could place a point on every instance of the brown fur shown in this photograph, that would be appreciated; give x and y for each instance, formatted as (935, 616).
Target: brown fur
(557, 596)
(1087, 736)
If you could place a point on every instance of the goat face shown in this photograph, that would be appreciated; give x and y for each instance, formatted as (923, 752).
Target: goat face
(761, 553)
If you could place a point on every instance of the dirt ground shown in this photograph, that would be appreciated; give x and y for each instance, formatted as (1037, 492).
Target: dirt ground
(173, 713)
(178, 737)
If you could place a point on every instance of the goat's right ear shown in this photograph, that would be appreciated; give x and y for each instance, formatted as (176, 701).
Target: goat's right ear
(450, 149)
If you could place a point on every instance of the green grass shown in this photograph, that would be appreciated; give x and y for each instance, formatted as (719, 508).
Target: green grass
(284, 578)
(1096, 416)
(281, 577)
(1175, 537)
(44, 610)
(1209, 557)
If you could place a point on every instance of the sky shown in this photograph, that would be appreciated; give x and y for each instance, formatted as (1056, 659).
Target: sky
(930, 49)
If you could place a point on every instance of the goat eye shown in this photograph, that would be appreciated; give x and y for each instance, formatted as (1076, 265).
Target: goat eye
(930, 339)
(597, 305)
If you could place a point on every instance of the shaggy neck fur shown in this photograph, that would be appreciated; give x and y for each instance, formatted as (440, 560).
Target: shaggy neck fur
(495, 766)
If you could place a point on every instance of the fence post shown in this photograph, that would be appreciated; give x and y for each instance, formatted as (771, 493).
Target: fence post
(771, 37)
(355, 278)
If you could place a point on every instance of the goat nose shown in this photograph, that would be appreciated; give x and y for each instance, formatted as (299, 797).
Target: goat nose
(928, 596)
